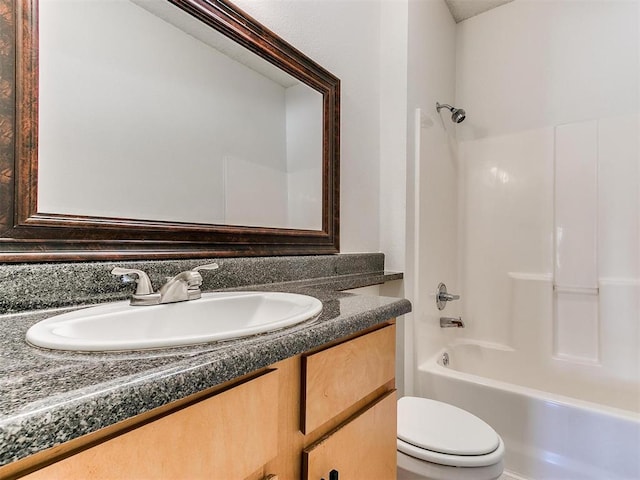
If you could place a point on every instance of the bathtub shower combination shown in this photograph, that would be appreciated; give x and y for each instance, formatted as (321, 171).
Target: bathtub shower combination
(554, 426)
(529, 210)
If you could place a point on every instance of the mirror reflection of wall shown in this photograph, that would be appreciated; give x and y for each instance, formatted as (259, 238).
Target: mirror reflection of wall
(139, 119)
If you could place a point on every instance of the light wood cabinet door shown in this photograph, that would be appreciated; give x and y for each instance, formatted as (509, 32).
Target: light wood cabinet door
(227, 436)
(362, 448)
(338, 377)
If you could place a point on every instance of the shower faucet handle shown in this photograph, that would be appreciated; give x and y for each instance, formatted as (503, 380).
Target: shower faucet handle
(447, 297)
(442, 297)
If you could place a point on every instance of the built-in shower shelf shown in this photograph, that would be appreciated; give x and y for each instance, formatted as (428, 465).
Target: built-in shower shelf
(576, 289)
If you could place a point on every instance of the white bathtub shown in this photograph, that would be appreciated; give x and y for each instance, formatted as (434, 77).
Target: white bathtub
(581, 431)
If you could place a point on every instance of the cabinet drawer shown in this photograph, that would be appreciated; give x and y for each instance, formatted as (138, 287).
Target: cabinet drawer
(336, 378)
(364, 447)
(226, 436)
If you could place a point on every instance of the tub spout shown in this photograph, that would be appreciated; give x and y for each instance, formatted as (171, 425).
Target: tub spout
(446, 322)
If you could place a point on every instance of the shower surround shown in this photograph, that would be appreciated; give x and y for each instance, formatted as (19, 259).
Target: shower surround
(551, 215)
(549, 182)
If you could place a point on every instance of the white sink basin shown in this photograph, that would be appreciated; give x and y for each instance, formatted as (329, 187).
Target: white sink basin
(216, 316)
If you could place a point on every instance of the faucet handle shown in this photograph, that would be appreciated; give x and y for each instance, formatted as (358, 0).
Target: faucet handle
(143, 282)
(442, 296)
(208, 266)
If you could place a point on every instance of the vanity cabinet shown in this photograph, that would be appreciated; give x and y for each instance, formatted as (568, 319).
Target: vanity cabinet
(228, 435)
(333, 408)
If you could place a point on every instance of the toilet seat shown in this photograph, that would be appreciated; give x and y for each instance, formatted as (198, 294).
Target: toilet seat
(440, 433)
(452, 460)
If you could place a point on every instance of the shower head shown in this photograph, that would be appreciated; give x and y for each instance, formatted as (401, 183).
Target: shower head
(457, 114)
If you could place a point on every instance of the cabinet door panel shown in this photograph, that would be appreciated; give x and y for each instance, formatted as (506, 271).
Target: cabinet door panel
(227, 436)
(336, 378)
(362, 448)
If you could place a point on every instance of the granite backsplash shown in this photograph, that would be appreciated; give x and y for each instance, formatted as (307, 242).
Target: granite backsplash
(51, 285)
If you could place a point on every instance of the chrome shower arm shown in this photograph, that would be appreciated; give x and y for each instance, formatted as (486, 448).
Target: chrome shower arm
(440, 106)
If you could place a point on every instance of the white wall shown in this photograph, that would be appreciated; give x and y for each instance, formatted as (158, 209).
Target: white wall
(550, 172)
(393, 132)
(534, 63)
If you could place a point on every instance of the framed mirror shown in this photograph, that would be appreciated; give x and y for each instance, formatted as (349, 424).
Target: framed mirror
(141, 129)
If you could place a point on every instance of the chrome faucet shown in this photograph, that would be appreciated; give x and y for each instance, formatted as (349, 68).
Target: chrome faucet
(446, 322)
(182, 287)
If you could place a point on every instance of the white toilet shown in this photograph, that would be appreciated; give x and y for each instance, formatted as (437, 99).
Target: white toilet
(437, 441)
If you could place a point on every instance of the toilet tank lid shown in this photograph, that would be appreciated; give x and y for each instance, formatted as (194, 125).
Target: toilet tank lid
(443, 428)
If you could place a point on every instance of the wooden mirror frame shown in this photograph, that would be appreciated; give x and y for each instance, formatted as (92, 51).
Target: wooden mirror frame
(27, 235)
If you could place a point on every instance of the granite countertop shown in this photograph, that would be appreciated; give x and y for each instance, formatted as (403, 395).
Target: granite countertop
(49, 397)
